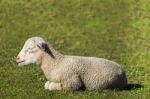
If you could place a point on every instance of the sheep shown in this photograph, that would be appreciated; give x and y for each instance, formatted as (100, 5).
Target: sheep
(65, 72)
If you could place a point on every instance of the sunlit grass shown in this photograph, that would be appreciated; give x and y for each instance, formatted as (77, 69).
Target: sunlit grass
(114, 29)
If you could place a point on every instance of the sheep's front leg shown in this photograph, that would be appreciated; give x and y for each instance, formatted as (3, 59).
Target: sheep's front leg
(52, 86)
(55, 86)
(71, 83)
(46, 86)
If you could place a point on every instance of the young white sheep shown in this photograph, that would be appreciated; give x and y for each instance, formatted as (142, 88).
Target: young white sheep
(71, 72)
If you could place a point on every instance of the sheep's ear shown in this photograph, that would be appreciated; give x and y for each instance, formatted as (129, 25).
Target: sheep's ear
(46, 48)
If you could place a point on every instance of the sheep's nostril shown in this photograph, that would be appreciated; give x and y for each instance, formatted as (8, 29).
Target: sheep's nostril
(17, 58)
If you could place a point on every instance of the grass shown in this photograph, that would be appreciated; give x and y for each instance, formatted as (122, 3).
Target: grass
(114, 29)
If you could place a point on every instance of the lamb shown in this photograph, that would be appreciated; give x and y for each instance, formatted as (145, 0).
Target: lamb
(65, 72)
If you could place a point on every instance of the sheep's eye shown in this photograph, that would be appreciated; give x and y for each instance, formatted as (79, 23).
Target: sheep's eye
(28, 49)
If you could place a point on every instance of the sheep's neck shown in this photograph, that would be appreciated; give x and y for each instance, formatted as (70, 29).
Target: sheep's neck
(47, 60)
(50, 62)
(55, 53)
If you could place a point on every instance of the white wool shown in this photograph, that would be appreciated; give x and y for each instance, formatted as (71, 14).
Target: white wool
(73, 72)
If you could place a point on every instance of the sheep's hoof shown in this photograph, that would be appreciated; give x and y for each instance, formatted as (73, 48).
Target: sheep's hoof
(54, 86)
(46, 86)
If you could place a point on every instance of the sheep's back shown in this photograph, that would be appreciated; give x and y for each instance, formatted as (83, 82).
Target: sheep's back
(98, 72)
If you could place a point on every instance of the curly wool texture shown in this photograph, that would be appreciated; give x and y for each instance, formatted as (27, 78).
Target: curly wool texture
(77, 72)
(71, 72)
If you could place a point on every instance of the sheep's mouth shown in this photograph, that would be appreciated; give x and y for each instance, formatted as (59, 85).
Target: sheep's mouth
(21, 62)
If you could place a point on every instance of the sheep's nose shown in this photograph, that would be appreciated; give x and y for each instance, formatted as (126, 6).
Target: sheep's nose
(17, 58)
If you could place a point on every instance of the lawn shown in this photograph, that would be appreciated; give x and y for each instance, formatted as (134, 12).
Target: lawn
(118, 30)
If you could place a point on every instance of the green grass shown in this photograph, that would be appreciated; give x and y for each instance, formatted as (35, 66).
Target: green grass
(118, 30)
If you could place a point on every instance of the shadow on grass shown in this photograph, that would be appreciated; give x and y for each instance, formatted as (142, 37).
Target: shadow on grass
(133, 86)
(128, 88)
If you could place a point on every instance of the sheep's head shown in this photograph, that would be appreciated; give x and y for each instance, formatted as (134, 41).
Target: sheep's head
(32, 51)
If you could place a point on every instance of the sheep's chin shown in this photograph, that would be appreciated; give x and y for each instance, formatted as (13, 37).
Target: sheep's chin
(23, 64)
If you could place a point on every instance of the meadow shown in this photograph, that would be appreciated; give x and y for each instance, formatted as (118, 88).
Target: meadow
(118, 30)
